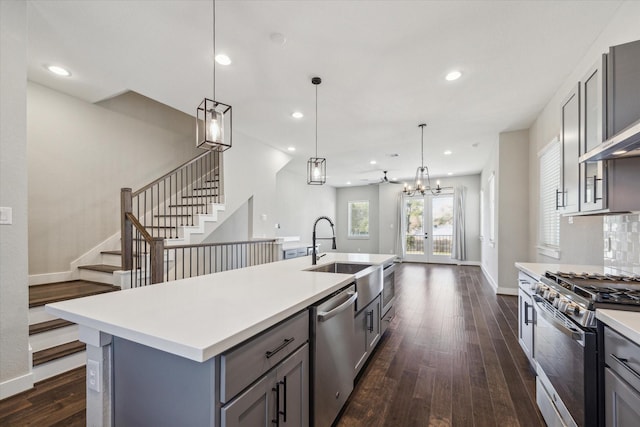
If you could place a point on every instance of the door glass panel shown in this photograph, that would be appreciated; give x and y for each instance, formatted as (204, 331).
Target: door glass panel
(414, 211)
(442, 225)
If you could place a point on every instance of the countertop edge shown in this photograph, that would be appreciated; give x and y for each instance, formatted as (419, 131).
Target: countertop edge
(627, 323)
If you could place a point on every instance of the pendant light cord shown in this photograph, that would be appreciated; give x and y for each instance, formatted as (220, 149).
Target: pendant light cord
(214, 49)
(316, 121)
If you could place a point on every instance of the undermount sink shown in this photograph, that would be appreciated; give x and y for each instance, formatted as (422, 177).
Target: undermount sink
(340, 267)
(368, 279)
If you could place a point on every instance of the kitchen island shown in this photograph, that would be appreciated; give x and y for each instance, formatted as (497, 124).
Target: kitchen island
(172, 330)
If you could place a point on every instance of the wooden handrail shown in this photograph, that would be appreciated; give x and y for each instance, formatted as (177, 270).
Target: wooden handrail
(143, 231)
(166, 175)
(203, 245)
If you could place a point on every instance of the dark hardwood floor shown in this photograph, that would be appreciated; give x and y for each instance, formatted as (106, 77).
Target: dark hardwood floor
(450, 357)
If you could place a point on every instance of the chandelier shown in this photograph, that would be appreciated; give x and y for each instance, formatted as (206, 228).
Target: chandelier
(422, 182)
(316, 166)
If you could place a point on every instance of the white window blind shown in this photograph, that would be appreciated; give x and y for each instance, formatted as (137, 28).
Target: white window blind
(549, 234)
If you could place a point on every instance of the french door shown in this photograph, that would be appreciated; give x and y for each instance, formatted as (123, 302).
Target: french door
(428, 228)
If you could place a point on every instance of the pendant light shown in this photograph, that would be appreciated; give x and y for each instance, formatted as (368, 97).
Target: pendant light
(316, 166)
(213, 118)
(422, 182)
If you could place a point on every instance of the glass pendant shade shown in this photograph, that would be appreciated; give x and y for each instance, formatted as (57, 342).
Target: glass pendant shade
(213, 128)
(316, 171)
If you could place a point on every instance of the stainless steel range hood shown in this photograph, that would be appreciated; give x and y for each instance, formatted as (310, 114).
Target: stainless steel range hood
(624, 144)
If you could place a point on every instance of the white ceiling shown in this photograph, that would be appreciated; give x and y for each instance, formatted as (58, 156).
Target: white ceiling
(382, 64)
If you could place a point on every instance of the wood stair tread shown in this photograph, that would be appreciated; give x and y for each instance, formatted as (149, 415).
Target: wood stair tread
(205, 188)
(160, 226)
(187, 205)
(48, 326)
(60, 291)
(57, 352)
(172, 215)
(104, 268)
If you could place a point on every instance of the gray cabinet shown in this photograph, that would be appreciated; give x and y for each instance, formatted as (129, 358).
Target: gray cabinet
(621, 380)
(593, 175)
(367, 332)
(526, 315)
(280, 397)
(567, 196)
(623, 87)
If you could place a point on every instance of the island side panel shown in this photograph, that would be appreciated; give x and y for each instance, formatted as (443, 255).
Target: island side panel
(152, 387)
(99, 382)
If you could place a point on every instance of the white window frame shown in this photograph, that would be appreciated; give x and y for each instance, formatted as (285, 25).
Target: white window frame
(492, 209)
(482, 215)
(358, 236)
(549, 176)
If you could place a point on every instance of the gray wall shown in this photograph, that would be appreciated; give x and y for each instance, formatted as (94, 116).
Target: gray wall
(582, 241)
(299, 204)
(15, 372)
(349, 194)
(80, 155)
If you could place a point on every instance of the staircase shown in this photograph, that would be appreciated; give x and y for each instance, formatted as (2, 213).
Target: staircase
(54, 342)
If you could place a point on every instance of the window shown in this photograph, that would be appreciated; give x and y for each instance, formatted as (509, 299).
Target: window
(359, 219)
(549, 222)
(492, 208)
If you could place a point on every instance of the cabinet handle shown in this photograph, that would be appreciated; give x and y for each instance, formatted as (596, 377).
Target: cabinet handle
(276, 421)
(526, 313)
(370, 315)
(285, 343)
(624, 364)
(558, 205)
(595, 188)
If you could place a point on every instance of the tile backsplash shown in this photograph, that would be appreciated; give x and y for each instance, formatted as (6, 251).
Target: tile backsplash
(622, 242)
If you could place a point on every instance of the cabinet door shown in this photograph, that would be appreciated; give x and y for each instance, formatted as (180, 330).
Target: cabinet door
(373, 324)
(360, 339)
(292, 381)
(622, 405)
(592, 133)
(525, 323)
(570, 137)
(255, 407)
(623, 86)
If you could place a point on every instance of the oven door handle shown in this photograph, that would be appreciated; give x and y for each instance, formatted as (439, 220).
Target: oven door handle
(575, 334)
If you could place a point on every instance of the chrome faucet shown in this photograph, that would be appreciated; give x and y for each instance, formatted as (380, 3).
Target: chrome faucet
(314, 256)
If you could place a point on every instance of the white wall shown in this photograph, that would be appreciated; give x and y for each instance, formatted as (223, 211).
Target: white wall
(582, 241)
(300, 204)
(80, 155)
(15, 369)
(489, 248)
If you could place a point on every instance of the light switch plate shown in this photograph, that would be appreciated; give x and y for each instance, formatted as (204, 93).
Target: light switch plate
(93, 375)
(6, 216)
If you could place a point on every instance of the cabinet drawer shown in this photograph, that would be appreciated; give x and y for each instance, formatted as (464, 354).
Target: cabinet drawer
(290, 253)
(247, 362)
(301, 252)
(622, 356)
(386, 319)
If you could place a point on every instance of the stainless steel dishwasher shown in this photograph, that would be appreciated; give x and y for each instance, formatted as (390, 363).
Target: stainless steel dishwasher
(332, 361)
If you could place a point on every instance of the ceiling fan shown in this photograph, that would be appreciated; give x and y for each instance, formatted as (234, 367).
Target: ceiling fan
(385, 180)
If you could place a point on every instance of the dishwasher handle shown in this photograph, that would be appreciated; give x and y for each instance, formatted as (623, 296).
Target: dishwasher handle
(323, 316)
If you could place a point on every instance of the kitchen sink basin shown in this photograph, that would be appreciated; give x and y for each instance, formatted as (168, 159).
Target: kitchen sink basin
(340, 267)
(368, 279)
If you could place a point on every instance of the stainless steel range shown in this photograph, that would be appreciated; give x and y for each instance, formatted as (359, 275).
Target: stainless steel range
(567, 342)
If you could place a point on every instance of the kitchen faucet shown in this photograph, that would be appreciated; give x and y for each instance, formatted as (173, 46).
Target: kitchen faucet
(314, 257)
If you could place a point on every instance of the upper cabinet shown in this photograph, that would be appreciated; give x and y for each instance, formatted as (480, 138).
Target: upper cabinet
(622, 105)
(567, 196)
(592, 132)
(602, 110)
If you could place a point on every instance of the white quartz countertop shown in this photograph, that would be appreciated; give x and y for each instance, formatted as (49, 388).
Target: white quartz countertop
(625, 322)
(201, 317)
(536, 270)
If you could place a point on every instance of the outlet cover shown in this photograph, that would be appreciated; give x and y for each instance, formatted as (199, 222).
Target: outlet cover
(93, 375)
(6, 216)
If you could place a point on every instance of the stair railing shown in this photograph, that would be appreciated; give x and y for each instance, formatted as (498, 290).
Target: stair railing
(156, 210)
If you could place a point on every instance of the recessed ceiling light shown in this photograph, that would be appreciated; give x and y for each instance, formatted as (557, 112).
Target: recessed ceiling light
(475, 145)
(223, 59)
(59, 71)
(617, 153)
(447, 153)
(297, 115)
(291, 148)
(348, 182)
(450, 173)
(453, 75)
(373, 162)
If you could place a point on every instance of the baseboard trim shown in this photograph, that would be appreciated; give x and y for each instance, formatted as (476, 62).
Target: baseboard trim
(487, 276)
(16, 385)
(507, 291)
(40, 279)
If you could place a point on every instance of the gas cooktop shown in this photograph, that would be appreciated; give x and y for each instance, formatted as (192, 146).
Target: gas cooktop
(600, 288)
